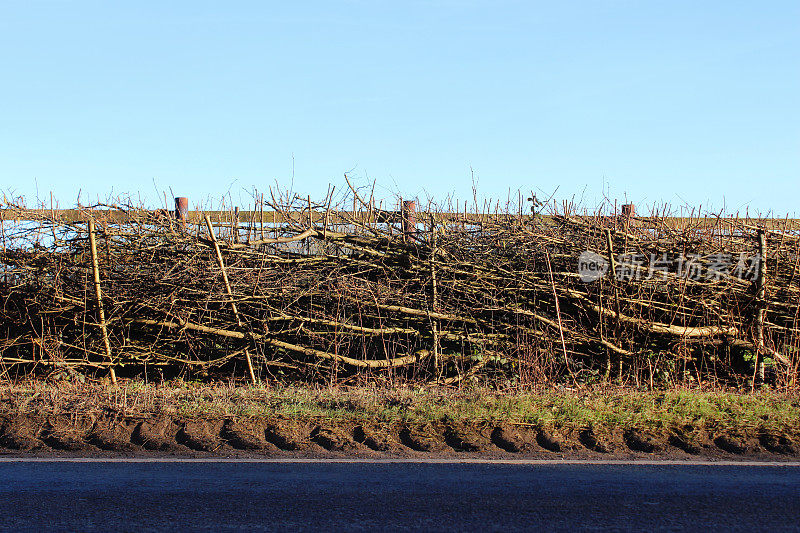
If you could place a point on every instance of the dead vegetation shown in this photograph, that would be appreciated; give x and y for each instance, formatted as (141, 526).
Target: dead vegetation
(329, 293)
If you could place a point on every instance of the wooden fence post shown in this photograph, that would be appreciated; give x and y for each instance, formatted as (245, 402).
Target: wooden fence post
(626, 214)
(235, 225)
(182, 209)
(628, 211)
(409, 218)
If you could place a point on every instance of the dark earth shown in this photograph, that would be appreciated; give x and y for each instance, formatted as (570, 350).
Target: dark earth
(115, 436)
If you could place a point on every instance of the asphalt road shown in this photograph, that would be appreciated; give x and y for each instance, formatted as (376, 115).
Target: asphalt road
(230, 496)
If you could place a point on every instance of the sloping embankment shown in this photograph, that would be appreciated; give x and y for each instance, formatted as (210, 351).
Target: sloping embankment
(38, 418)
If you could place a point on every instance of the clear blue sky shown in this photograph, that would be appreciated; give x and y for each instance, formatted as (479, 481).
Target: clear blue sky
(695, 102)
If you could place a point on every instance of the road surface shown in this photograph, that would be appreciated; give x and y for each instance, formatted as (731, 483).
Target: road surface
(364, 496)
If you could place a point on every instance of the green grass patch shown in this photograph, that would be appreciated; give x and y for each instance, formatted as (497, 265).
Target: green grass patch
(596, 408)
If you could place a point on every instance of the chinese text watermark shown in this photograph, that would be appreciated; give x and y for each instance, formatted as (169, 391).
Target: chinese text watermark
(713, 267)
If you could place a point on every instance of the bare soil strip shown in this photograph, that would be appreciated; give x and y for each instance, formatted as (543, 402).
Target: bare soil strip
(112, 435)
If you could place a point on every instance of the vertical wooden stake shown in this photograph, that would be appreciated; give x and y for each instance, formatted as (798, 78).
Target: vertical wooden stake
(558, 313)
(252, 226)
(221, 264)
(99, 296)
(369, 212)
(761, 310)
(355, 228)
(3, 236)
(327, 218)
(261, 214)
(435, 299)
(310, 225)
(612, 265)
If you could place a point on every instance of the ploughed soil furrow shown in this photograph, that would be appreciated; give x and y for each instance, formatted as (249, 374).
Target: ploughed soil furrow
(67, 434)
(291, 435)
(277, 438)
(466, 439)
(423, 439)
(514, 438)
(156, 434)
(548, 441)
(591, 441)
(731, 443)
(245, 435)
(20, 434)
(640, 441)
(777, 444)
(681, 442)
(333, 439)
(283, 437)
(201, 435)
(505, 440)
(409, 439)
(112, 435)
(376, 440)
(66, 441)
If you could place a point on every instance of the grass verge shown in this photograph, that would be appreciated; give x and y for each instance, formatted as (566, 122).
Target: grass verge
(607, 408)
